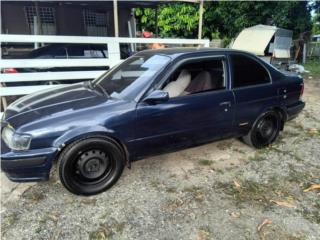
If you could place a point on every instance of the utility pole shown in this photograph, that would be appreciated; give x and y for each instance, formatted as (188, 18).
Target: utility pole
(115, 18)
(200, 19)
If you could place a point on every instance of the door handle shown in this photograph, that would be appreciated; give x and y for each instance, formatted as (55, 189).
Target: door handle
(225, 104)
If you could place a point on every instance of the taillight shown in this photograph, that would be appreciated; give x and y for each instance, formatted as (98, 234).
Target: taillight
(10, 70)
(302, 89)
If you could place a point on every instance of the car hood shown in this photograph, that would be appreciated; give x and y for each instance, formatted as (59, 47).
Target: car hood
(55, 101)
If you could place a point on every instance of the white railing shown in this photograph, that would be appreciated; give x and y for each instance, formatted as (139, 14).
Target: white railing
(113, 46)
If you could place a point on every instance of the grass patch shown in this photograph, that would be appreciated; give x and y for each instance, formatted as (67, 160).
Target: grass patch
(300, 177)
(33, 196)
(205, 162)
(289, 153)
(101, 234)
(313, 66)
(106, 231)
(155, 184)
(313, 133)
(196, 192)
(173, 204)
(89, 201)
(204, 233)
(171, 189)
(287, 134)
(254, 193)
(8, 221)
(312, 214)
(309, 115)
(257, 157)
(223, 145)
(273, 231)
(219, 171)
(191, 189)
(239, 150)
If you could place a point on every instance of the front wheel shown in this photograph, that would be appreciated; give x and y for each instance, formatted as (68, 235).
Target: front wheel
(90, 166)
(264, 131)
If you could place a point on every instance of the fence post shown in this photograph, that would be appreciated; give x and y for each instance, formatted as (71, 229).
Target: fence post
(114, 53)
(304, 56)
(35, 30)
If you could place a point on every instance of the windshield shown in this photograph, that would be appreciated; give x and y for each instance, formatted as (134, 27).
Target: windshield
(128, 79)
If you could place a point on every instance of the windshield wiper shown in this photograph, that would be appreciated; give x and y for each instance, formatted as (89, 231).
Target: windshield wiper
(102, 89)
(91, 86)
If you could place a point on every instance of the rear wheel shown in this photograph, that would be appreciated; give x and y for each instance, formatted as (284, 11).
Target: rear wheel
(264, 131)
(90, 166)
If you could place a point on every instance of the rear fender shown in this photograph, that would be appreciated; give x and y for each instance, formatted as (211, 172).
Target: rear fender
(281, 110)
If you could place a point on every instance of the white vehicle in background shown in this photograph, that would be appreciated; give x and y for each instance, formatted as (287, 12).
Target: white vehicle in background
(316, 38)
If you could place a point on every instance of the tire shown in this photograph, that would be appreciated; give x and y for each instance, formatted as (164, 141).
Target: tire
(264, 131)
(91, 165)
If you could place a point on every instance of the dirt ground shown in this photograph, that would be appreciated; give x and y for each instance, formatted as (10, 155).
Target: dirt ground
(222, 190)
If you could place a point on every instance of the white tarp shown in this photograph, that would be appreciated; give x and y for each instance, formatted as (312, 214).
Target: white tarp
(254, 39)
(257, 38)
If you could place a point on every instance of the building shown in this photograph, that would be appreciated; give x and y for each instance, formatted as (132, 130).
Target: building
(75, 18)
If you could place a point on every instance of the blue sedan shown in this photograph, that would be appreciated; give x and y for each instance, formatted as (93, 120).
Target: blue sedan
(156, 101)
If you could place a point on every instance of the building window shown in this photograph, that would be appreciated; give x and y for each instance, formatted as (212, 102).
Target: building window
(47, 19)
(95, 23)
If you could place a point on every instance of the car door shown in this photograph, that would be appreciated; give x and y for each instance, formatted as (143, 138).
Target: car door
(253, 90)
(185, 120)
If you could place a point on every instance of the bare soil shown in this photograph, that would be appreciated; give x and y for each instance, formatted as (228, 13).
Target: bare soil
(222, 190)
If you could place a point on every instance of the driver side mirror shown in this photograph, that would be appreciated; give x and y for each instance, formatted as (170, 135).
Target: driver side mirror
(157, 96)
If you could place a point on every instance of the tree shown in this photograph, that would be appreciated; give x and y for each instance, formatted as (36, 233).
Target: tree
(316, 18)
(293, 15)
(226, 19)
(174, 19)
(316, 24)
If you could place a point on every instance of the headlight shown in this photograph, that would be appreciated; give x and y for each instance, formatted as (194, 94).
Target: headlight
(15, 141)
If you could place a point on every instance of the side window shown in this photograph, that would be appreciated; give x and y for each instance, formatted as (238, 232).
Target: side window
(196, 77)
(246, 71)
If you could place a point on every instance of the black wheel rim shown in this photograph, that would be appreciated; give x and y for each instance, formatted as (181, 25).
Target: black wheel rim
(91, 166)
(266, 130)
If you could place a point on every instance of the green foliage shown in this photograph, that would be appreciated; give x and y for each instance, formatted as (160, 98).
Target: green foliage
(225, 19)
(146, 18)
(316, 24)
(293, 15)
(313, 66)
(174, 20)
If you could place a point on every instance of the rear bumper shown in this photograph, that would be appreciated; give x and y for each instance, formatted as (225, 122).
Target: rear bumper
(27, 166)
(295, 109)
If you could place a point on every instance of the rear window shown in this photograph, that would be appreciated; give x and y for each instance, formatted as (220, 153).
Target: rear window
(247, 72)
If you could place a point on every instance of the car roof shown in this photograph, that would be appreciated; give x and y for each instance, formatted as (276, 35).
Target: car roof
(177, 52)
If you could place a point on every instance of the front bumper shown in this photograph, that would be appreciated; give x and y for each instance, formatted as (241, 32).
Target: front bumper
(27, 166)
(295, 109)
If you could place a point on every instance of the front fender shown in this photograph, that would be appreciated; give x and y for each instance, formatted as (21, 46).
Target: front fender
(80, 132)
